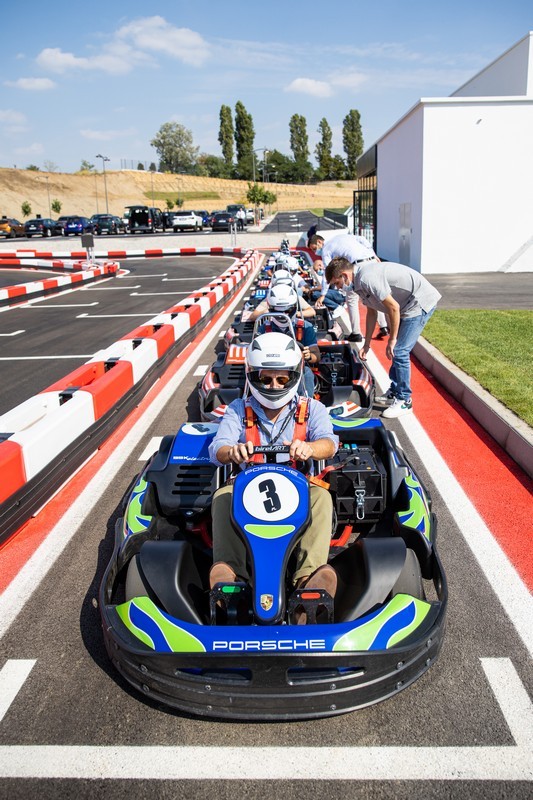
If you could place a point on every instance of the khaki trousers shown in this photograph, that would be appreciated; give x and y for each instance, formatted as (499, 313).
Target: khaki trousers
(311, 552)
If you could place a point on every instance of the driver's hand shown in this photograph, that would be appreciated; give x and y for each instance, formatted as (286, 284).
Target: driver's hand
(243, 451)
(300, 451)
(306, 353)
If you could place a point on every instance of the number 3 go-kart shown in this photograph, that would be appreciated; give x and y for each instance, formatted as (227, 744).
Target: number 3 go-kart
(236, 652)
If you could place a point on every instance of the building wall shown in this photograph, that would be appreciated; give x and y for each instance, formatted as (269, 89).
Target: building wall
(400, 160)
(509, 75)
(478, 184)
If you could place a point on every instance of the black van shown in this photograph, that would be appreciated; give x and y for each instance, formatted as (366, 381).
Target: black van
(145, 219)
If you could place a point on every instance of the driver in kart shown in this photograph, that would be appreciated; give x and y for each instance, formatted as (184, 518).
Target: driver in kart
(274, 414)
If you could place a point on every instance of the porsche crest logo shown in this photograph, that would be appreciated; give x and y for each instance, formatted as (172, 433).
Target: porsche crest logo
(267, 601)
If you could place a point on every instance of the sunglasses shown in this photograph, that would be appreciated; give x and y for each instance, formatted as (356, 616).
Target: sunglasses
(268, 380)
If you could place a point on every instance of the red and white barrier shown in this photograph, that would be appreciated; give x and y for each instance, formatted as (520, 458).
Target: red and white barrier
(35, 432)
(21, 291)
(120, 254)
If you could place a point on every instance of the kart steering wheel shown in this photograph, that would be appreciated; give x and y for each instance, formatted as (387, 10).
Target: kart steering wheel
(273, 450)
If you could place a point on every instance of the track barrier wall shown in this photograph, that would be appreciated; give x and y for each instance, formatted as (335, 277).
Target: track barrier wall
(47, 437)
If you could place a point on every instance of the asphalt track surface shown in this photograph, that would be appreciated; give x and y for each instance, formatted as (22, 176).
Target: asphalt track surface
(460, 731)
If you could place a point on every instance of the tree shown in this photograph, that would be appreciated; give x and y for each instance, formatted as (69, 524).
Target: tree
(152, 167)
(179, 201)
(49, 166)
(300, 148)
(140, 165)
(244, 141)
(338, 168)
(33, 168)
(175, 148)
(56, 206)
(212, 166)
(226, 134)
(170, 203)
(352, 141)
(86, 166)
(282, 165)
(25, 208)
(323, 148)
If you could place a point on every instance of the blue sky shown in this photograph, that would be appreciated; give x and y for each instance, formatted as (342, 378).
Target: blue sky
(102, 77)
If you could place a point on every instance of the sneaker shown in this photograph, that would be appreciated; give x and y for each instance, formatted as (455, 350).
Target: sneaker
(383, 332)
(398, 408)
(354, 337)
(384, 400)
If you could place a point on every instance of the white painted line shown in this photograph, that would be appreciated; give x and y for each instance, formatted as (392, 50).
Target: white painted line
(516, 705)
(200, 370)
(109, 288)
(169, 280)
(13, 333)
(221, 334)
(73, 305)
(136, 275)
(12, 677)
(21, 588)
(513, 594)
(116, 316)
(151, 448)
(155, 294)
(43, 358)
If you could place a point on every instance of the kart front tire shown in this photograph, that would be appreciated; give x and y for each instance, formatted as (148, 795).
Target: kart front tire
(134, 583)
(410, 578)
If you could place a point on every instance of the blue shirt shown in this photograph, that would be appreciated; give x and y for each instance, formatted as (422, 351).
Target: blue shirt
(231, 428)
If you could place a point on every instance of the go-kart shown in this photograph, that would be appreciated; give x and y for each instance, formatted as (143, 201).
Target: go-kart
(235, 652)
(343, 382)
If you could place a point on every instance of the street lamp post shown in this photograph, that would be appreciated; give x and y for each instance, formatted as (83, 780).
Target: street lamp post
(48, 192)
(258, 150)
(104, 159)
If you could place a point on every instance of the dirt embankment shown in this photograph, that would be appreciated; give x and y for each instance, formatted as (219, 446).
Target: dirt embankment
(85, 193)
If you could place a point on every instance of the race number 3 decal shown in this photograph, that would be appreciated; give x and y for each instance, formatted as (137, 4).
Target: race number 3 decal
(272, 502)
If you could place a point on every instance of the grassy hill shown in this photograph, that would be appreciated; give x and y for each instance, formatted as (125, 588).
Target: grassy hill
(84, 193)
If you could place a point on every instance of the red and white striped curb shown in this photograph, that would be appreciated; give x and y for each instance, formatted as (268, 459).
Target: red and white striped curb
(150, 253)
(47, 424)
(22, 291)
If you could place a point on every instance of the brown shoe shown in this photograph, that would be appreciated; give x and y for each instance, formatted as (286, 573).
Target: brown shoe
(221, 572)
(325, 578)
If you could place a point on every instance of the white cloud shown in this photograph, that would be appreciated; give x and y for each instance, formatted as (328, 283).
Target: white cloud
(34, 149)
(55, 60)
(350, 80)
(106, 136)
(310, 86)
(32, 84)
(157, 35)
(115, 61)
(12, 117)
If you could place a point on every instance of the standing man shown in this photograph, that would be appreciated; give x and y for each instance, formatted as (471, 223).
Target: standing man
(408, 299)
(241, 218)
(356, 249)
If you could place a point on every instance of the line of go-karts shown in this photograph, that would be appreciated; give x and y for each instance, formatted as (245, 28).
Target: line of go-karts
(163, 626)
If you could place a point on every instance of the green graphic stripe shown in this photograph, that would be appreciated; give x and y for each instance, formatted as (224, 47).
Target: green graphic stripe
(177, 639)
(417, 515)
(362, 637)
(269, 531)
(349, 423)
(135, 521)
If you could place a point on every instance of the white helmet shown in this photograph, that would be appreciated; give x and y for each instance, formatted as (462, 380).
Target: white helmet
(273, 351)
(280, 275)
(283, 298)
(292, 264)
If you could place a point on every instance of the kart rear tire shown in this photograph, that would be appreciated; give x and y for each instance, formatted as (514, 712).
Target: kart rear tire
(410, 578)
(134, 583)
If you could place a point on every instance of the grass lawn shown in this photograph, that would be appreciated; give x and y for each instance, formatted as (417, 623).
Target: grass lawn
(494, 347)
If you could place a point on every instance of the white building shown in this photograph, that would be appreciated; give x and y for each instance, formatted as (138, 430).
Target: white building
(454, 176)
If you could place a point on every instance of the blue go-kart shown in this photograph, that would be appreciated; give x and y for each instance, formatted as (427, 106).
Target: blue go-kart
(236, 652)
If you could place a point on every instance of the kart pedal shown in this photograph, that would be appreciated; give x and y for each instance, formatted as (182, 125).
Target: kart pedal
(230, 604)
(313, 603)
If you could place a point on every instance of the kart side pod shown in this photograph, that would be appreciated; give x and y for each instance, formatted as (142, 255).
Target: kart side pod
(270, 510)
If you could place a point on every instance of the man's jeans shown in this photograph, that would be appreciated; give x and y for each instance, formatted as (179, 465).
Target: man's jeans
(400, 371)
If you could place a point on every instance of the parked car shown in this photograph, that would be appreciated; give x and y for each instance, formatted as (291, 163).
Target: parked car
(234, 207)
(205, 216)
(78, 225)
(187, 219)
(212, 216)
(223, 221)
(43, 226)
(107, 223)
(168, 216)
(9, 228)
(250, 216)
(145, 219)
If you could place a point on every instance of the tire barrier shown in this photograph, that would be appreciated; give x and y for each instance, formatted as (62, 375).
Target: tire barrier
(47, 437)
(120, 254)
(33, 289)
